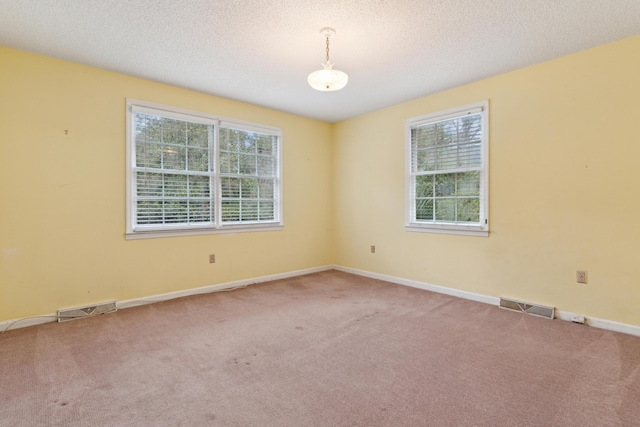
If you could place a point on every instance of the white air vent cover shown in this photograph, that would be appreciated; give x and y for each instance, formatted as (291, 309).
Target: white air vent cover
(527, 307)
(86, 311)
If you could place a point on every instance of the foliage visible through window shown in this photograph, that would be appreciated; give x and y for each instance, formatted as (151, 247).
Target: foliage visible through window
(447, 170)
(178, 183)
(247, 170)
(174, 180)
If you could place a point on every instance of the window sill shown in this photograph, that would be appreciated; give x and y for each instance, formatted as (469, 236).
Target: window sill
(230, 229)
(466, 231)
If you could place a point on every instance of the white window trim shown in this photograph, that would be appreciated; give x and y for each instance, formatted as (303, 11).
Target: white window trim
(217, 121)
(470, 230)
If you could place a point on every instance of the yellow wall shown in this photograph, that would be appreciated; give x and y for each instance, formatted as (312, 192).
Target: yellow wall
(564, 191)
(564, 188)
(62, 196)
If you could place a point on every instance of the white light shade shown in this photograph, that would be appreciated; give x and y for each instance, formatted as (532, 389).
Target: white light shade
(328, 79)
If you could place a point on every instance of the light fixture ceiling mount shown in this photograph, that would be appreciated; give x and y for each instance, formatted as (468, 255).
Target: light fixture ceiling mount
(327, 79)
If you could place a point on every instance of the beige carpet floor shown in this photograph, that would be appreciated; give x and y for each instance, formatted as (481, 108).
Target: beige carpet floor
(326, 349)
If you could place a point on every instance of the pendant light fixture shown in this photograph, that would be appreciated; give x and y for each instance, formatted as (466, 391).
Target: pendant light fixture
(327, 79)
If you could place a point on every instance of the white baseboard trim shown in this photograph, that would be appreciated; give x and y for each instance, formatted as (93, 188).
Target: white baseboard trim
(46, 318)
(421, 285)
(216, 288)
(562, 315)
(609, 325)
(27, 321)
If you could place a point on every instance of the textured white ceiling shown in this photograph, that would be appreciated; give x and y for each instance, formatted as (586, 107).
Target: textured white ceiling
(261, 51)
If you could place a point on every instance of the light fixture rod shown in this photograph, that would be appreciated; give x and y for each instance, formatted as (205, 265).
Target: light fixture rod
(327, 32)
(327, 49)
(327, 79)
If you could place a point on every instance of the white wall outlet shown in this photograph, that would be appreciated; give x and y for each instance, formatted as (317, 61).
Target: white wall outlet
(577, 318)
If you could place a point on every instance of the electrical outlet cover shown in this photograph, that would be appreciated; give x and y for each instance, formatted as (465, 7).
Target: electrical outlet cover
(581, 276)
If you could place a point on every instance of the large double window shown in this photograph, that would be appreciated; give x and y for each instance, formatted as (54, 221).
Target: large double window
(194, 173)
(447, 171)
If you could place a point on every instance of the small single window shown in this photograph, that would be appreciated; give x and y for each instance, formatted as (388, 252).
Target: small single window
(447, 171)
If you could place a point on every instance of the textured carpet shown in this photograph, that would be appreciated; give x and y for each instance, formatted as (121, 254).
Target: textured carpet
(327, 349)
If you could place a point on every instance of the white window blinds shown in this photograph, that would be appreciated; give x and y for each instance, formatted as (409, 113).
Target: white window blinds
(447, 170)
(248, 171)
(190, 171)
(173, 171)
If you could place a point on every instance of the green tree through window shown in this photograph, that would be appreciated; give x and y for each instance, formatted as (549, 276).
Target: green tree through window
(448, 170)
(195, 172)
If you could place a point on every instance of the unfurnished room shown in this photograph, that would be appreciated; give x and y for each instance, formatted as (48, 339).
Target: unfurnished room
(301, 213)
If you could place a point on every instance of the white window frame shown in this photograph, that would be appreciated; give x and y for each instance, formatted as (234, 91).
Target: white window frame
(411, 224)
(141, 232)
